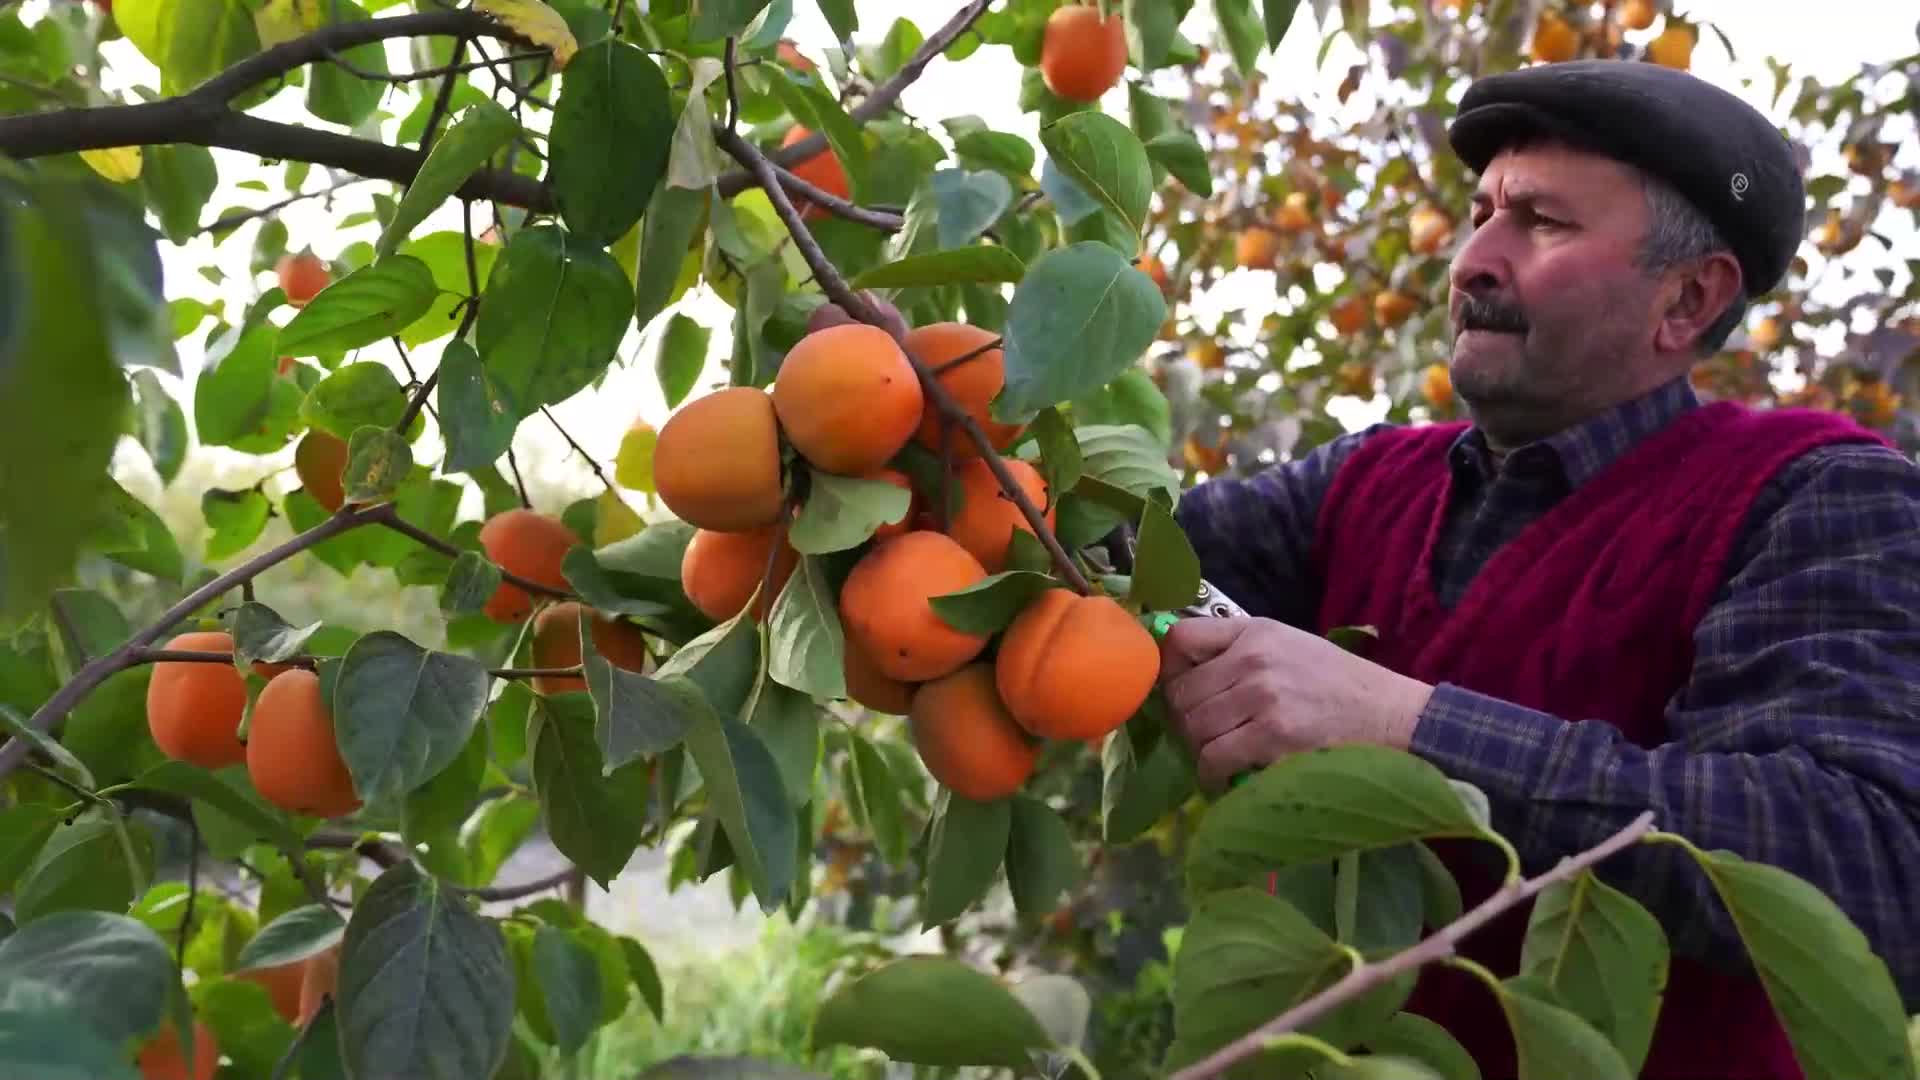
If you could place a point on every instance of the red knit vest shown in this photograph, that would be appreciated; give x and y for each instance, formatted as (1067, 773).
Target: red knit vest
(1588, 614)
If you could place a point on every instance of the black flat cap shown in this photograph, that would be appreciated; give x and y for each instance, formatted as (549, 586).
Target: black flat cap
(1714, 148)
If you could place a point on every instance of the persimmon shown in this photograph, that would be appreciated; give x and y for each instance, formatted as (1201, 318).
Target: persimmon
(885, 606)
(823, 170)
(1392, 307)
(1554, 39)
(1436, 385)
(293, 757)
(1075, 667)
(915, 504)
(847, 398)
(1295, 213)
(868, 686)
(531, 545)
(302, 276)
(319, 461)
(1082, 56)
(194, 708)
(974, 383)
(162, 1057)
(988, 517)
(1428, 229)
(1255, 248)
(1635, 14)
(966, 737)
(1349, 314)
(556, 644)
(791, 56)
(1154, 269)
(1674, 47)
(716, 462)
(719, 571)
(282, 984)
(317, 982)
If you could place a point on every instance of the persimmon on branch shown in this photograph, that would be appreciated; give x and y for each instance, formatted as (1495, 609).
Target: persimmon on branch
(1437, 947)
(937, 395)
(204, 115)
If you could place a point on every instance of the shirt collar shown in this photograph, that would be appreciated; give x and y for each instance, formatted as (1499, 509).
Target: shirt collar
(1582, 451)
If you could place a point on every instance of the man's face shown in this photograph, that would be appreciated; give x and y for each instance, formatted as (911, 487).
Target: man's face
(1551, 318)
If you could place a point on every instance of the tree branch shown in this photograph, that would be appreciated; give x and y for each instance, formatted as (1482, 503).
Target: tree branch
(828, 276)
(876, 103)
(885, 220)
(1438, 946)
(387, 856)
(233, 221)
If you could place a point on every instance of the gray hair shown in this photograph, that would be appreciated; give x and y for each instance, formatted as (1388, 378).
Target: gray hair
(1677, 231)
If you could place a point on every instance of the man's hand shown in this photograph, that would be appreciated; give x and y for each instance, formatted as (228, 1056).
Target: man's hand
(1245, 692)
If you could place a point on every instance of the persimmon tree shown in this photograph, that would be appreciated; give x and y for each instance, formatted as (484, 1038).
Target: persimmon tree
(902, 599)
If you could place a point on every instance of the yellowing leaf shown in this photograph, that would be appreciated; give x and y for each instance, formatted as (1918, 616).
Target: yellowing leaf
(615, 521)
(536, 22)
(283, 20)
(633, 464)
(117, 163)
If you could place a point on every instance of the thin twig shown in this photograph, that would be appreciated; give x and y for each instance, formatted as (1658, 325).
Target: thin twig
(64, 619)
(232, 221)
(418, 401)
(193, 889)
(968, 355)
(733, 90)
(72, 788)
(525, 888)
(413, 380)
(386, 515)
(442, 100)
(300, 1039)
(598, 472)
(430, 73)
(536, 672)
(937, 395)
(519, 484)
(1440, 945)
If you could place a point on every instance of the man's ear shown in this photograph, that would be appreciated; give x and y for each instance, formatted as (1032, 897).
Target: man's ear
(1704, 292)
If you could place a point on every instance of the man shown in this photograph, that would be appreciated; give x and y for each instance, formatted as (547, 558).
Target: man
(1602, 597)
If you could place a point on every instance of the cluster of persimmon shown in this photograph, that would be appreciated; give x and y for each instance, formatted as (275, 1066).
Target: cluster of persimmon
(848, 402)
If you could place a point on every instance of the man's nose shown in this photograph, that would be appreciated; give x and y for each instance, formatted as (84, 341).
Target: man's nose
(1481, 266)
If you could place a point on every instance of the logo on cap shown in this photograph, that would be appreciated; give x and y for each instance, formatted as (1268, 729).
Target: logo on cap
(1739, 186)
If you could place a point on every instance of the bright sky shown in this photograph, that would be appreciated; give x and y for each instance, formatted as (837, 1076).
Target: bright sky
(1847, 33)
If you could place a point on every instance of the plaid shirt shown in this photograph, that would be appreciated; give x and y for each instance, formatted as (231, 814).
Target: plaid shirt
(1794, 742)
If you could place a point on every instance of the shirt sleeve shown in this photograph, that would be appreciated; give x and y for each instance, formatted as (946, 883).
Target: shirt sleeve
(1254, 534)
(1795, 742)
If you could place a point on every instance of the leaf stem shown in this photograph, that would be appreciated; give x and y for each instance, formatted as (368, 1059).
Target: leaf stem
(519, 484)
(1441, 945)
(830, 281)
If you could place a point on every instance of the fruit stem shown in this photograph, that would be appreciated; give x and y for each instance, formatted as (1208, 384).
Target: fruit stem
(831, 283)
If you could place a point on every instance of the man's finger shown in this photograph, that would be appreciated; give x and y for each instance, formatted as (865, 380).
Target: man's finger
(1196, 640)
(1211, 677)
(1241, 750)
(1213, 717)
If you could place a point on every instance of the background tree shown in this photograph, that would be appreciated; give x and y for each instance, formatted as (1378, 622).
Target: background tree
(869, 651)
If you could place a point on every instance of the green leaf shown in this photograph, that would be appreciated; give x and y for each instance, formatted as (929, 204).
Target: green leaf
(1243, 30)
(24, 830)
(445, 253)
(723, 662)
(106, 967)
(1138, 792)
(1130, 399)
(236, 800)
(1279, 16)
(989, 605)
(1151, 26)
(805, 642)
(294, 936)
(1242, 938)
(236, 517)
(1181, 154)
(1166, 570)
(1410, 1035)
(681, 359)
(842, 512)
(83, 866)
(968, 203)
(378, 462)
(553, 314)
(495, 832)
(189, 43)
(475, 134)
(695, 160)
(954, 266)
(434, 812)
(841, 18)
(715, 19)
(815, 106)
(179, 180)
(748, 797)
(1060, 460)
(1123, 458)
(1379, 903)
(646, 977)
(354, 396)
(1105, 160)
(1550, 1041)
(402, 713)
(1041, 862)
(338, 96)
(1836, 998)
(1310, 807)
(635, 715)
(611, 131)
(997, 150)
(471, 582)
(233, 396)
(789, 723)
(931, 1010)
(47, 1042)
(876, 801)
(368, 305)
(1604, 956)
(61, 397)
(259, 633)
(593, 816)
(159, 425)
(411, 942)
(131, 534)
(965, 850)
(475, 417)
(569, 985)
(1377, 1066)
(1081, 316)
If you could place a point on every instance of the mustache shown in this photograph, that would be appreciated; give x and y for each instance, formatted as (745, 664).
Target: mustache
(1478, 313)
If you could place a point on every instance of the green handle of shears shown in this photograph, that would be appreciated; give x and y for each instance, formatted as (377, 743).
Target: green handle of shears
(1158, 625)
